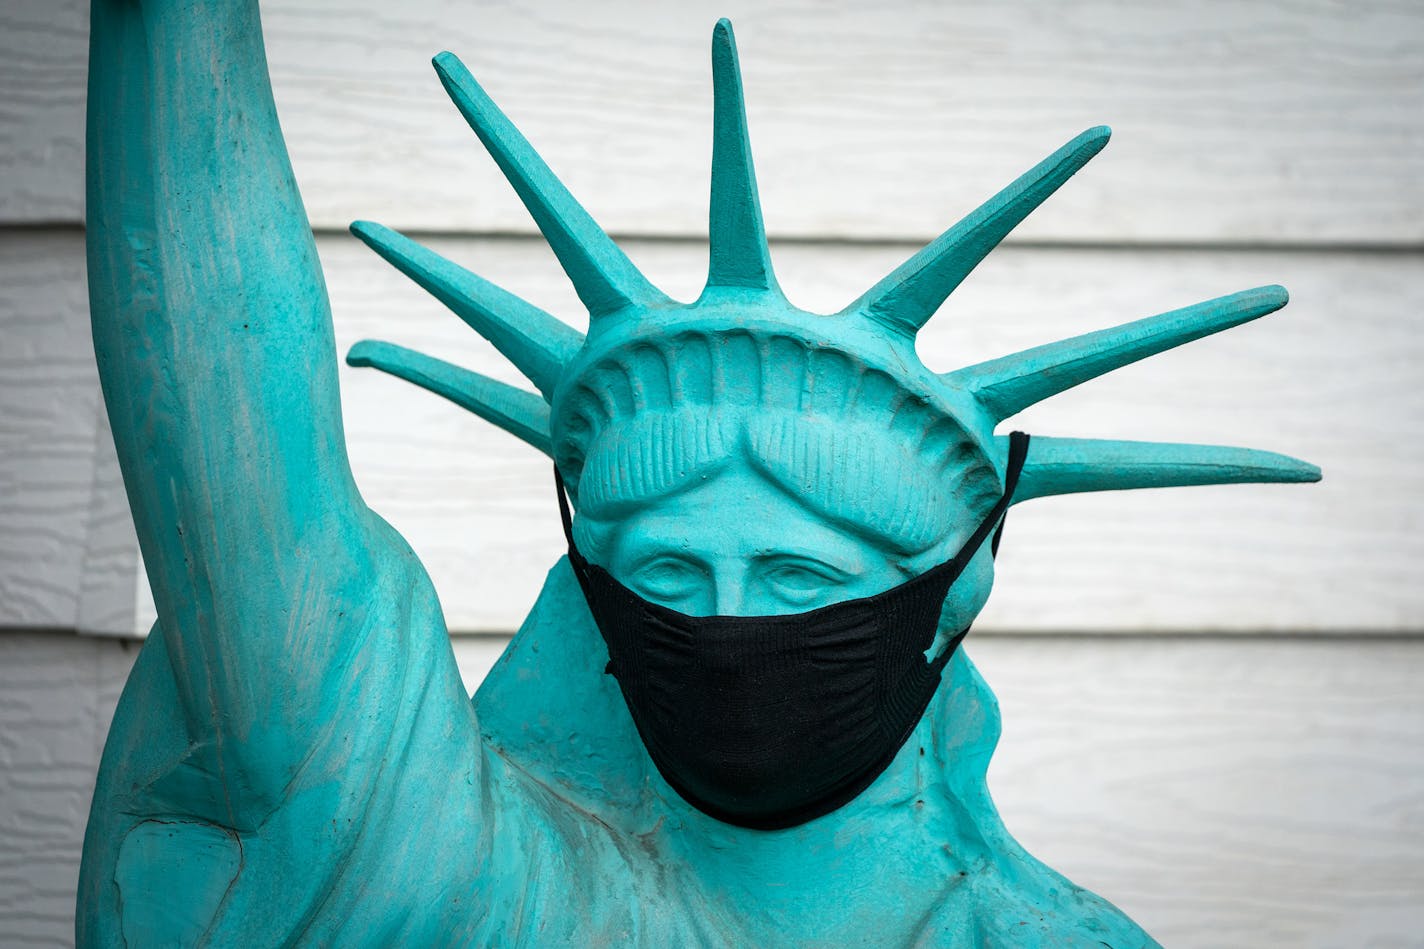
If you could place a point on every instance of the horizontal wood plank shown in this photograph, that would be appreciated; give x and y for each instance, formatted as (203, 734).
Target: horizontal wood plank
(49, 412)
(1236, 122)
(1224, 793)
(1333, 379)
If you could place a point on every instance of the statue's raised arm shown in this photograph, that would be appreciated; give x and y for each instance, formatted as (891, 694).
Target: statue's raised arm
(299, 640)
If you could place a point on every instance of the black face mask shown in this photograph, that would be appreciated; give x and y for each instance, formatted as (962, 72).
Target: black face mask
(771, 721)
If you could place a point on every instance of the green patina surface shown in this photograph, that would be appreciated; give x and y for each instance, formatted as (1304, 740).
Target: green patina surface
(295, 761)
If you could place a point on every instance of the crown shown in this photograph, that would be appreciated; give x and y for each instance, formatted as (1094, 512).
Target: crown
(605, 400)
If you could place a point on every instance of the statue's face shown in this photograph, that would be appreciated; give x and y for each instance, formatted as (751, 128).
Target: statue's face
(737, 544)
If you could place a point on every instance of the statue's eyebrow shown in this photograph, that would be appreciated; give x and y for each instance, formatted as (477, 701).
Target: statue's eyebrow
(816, 565)
(848, 563)
(640, 552)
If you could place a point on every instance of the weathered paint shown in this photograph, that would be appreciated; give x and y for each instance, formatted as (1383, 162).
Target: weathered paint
(294, 759)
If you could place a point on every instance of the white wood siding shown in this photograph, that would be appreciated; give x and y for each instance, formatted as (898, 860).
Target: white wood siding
(1332, 378)
(1294, 122)
(1225, 793)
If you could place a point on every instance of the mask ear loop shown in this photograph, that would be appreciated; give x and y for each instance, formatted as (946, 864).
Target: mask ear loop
(575, 558)
(566, 518)
(1018, 453)
(564, 514)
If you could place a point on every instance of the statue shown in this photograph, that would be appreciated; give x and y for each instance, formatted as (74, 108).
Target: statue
(737, 714)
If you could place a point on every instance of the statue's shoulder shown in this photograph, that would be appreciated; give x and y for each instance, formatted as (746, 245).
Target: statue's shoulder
(547, 707)
(388, 796)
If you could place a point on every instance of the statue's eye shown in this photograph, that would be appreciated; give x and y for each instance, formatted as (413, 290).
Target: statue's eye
(799, 580)
(669, 579)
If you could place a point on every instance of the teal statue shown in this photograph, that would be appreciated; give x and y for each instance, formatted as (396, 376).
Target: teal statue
(736, 715)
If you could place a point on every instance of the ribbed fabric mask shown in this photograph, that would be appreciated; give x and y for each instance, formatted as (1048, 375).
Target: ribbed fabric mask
(771, 721)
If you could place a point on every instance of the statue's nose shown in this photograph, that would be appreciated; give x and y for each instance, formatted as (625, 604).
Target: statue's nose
(730, 597)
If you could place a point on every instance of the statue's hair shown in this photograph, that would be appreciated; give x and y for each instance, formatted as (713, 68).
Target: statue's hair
(638, 401)
(853, 473)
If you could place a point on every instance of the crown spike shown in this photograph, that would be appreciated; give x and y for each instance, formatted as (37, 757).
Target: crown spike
(739, 255)
(1008, 385)
(1074, 465)
(601, 273)
(906, 299)
(522, 414)
(538, 344)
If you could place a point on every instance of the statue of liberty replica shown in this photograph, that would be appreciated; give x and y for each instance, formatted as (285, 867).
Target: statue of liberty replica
(738, 714)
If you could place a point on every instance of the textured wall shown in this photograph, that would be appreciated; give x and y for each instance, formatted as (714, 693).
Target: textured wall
(1224, 792)
(1332, 378)
(1237, 121)
(1227, 791)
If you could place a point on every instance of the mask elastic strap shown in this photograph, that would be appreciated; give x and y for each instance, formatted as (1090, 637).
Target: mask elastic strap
(1018, 453)
(993, 522)
(567, 518)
